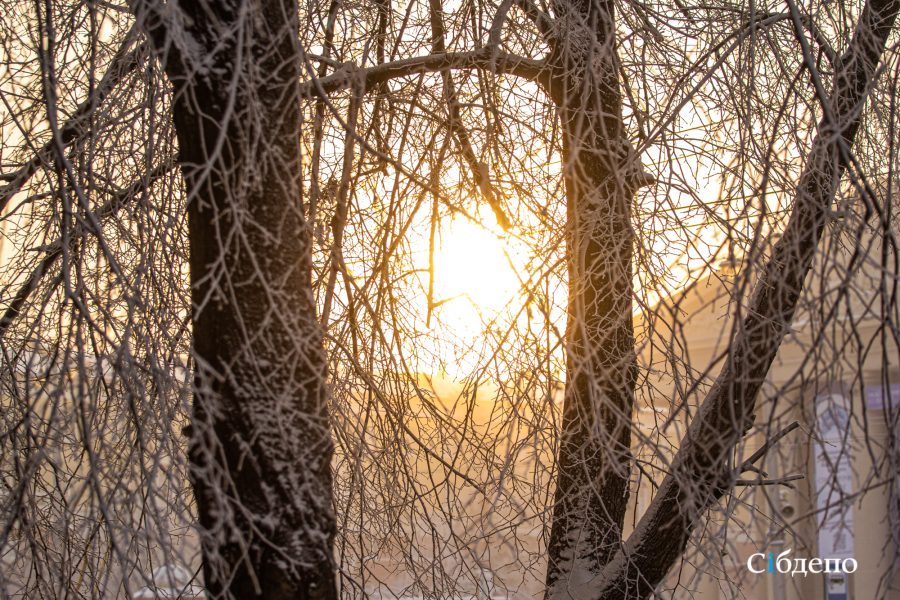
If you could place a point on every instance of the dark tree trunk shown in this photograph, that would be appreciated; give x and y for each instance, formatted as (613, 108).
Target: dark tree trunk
(260, 440)
(601, 176)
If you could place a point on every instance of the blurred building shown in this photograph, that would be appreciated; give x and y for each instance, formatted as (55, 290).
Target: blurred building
(839, 378)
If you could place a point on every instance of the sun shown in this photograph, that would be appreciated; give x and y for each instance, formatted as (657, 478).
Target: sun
(476, 275)
(481, 275)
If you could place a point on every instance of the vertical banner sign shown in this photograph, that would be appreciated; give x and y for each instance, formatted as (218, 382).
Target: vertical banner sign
(834, 477)
(836, 586)
(887, 399)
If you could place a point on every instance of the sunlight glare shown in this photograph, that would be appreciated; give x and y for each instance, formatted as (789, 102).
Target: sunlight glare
(473, 278)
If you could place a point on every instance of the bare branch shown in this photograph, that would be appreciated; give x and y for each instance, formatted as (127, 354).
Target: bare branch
(55, 250)
(502, 63)
(122, 64)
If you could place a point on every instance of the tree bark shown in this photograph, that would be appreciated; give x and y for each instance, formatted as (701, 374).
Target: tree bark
(260, 442)
(601, 176)
(701, 473)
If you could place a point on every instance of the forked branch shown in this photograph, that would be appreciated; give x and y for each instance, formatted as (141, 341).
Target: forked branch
(700, 474)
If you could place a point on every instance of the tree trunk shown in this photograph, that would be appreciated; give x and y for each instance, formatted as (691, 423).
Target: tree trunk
(601, 176)
(260, 444)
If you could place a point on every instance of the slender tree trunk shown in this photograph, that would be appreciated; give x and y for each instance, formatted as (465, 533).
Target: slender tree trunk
(260, 445)
(601, 176)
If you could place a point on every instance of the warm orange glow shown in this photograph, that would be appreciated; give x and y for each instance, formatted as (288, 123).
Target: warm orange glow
(475, 275)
